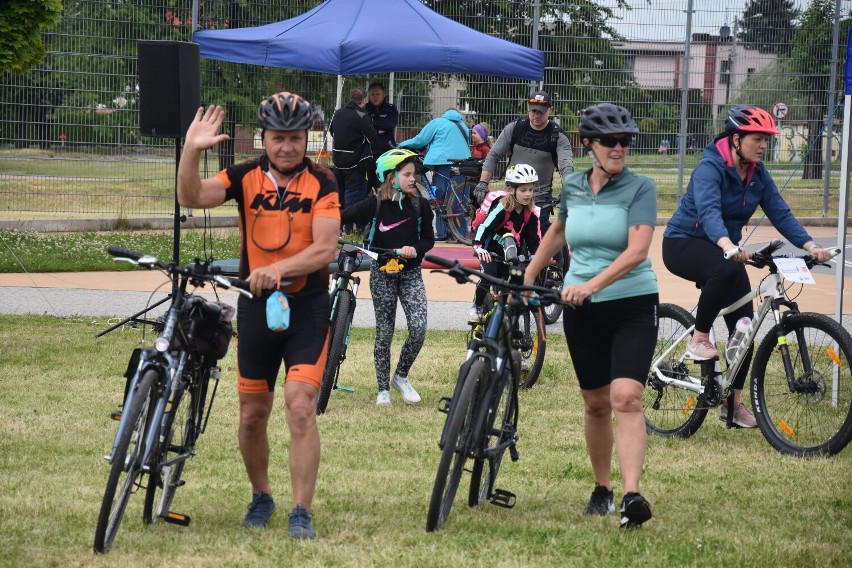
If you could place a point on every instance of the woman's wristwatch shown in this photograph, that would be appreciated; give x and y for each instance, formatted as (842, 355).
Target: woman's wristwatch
(811, 249)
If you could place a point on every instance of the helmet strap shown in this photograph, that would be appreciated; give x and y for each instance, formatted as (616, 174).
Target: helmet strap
(398, 188)
(597, 162)
(737, 147)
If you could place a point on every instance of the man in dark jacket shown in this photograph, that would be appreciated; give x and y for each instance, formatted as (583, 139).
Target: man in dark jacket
(385, 117)
(352, 153)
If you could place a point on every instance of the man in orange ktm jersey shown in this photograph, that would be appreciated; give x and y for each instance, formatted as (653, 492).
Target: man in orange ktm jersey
(289, 216)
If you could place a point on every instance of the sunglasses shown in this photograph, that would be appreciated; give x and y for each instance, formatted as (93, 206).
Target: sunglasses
(539, 100)
(612, 141)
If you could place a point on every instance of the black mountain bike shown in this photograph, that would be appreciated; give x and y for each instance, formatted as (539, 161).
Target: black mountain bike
(482, 414)
(168, 395)
(529, 336)
(344, 291)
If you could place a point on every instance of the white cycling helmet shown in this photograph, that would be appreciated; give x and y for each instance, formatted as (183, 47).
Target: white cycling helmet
(521, 173)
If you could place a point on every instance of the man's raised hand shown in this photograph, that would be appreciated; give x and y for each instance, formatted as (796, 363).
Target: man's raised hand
(203, 132)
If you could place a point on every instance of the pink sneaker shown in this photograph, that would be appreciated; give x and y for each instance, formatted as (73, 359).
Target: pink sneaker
(742, 415)
(700, 349)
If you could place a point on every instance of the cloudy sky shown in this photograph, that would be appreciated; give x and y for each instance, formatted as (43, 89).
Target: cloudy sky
(666, 19)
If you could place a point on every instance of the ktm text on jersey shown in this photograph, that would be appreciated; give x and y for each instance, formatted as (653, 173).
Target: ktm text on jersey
(277, 222)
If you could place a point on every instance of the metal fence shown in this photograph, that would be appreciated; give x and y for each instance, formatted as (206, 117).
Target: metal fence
(70, 145)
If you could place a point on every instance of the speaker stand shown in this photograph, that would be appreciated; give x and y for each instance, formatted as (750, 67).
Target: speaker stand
(177, 216)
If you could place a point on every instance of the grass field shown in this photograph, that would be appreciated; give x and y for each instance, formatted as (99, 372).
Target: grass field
(721, 498)
(55, 184)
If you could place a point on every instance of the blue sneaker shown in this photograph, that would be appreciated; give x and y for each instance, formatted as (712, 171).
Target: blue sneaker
(300, 523)
(259, 511)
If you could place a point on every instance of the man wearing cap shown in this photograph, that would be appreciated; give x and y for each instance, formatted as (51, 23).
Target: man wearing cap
(535, 140)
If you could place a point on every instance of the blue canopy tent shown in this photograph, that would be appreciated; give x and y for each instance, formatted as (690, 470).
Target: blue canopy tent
(358, 37)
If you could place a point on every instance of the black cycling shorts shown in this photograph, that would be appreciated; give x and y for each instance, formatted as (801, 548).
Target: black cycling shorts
(612, 340)
(303, 346)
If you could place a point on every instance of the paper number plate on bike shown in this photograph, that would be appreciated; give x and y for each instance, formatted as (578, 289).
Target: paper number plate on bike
(794, 270)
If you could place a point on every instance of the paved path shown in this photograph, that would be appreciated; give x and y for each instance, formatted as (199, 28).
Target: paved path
(114, 294)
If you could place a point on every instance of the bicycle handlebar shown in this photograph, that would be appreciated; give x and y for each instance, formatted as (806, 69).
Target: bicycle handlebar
(463, 275)
(375, 250)
(198, 271)
(763, 257)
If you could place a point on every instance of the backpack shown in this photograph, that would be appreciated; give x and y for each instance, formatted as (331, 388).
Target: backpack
(485, 207)
(415, 201)
(522, 124)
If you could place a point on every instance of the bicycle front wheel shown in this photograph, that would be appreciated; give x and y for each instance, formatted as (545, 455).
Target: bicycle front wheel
(336, 346)
(551, 277)
(532, 344)
(460, 212)
(457, 442)
(500, 427)
(126, 472)
(672, 411)
(810, 412)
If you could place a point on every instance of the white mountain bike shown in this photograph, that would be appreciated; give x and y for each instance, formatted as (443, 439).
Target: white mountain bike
(801, 383)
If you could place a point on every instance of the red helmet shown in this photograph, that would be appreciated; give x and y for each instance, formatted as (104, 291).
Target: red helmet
(748, 119)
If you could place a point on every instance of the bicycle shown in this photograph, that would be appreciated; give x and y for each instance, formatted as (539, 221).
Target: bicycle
(801, 385)
(157, 432)
(553, 275)
(529, 336)
(456, 209)
(482, 413)
(344, 292)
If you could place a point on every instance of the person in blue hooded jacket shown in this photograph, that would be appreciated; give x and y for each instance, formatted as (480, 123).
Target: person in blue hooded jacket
(723, 193)
(446, 138)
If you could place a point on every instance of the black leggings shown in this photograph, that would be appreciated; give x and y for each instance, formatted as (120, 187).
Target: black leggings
(722, 282)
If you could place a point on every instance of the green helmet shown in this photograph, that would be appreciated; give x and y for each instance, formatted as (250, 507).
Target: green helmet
(392, 160)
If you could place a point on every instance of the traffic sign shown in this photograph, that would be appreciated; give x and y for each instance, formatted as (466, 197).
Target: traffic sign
(780, 110)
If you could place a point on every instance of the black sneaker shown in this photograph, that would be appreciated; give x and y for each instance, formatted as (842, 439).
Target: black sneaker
(300, 523)
(601, 502)
(635, 510)
(259, 510)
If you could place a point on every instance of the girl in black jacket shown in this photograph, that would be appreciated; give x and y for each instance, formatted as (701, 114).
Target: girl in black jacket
(401, 219)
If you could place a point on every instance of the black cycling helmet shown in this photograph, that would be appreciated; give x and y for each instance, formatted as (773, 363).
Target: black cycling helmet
(605, 119)
(285, 111)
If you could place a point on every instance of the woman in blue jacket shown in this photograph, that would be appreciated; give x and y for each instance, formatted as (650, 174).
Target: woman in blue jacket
(447, 138)
(723, 193)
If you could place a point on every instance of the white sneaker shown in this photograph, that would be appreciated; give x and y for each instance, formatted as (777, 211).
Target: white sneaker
(474, 314)
(383, 399)
(409, 395)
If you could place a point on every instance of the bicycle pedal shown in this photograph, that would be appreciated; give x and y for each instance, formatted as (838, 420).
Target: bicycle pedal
(444, 404)
(115, 415)
(513, 453)
(503, 498)
(176, 518)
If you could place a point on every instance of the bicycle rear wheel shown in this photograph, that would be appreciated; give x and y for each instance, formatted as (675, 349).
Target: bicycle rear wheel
(814, 415)
(126, 472)
(532, 345)
(339, 328)
(671, 411)
(460, 212)
(179, 436)
(501, 430)
(458, 439)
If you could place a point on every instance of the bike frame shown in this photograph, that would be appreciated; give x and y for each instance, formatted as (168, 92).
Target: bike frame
(441, 206)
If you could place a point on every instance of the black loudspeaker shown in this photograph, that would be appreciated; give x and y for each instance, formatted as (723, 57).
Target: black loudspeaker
(169, 87)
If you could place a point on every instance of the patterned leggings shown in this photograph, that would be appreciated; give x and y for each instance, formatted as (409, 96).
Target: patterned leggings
(408, 287)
